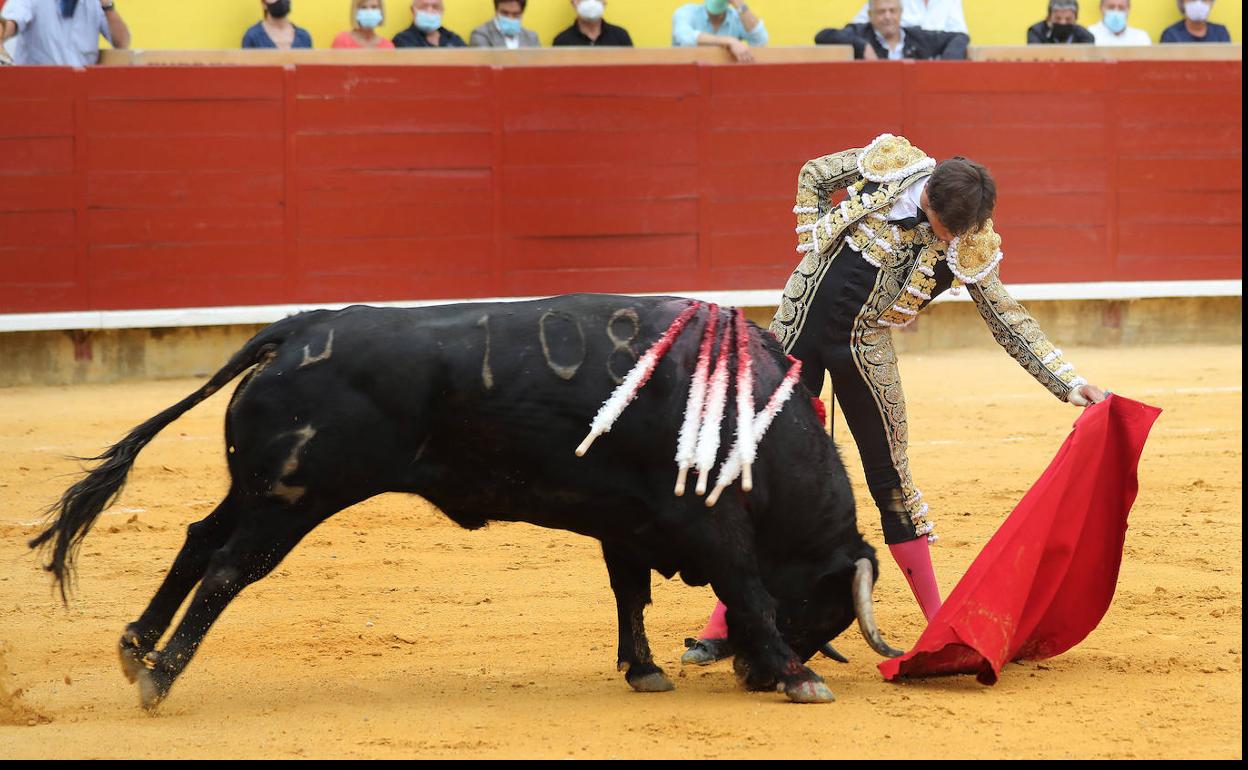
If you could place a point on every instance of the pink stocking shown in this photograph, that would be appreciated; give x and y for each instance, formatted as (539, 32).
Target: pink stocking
(717, 624)
(915, 560)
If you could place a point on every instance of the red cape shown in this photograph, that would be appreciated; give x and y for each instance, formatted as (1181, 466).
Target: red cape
(1046, 578)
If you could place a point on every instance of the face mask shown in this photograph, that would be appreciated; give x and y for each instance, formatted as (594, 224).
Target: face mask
(507, 25)
(427, 21)
(1197, 11)
(1116, 21)
(368, 18)
(716, 7)
(279, 9)
(1063, 31)
(590, 10)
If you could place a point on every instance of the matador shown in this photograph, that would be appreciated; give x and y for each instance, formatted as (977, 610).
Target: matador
(907, 230)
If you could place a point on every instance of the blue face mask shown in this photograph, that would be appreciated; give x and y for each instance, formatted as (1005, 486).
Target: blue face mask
(427, 21)
(507, 25)
(1116, 21)
(368, 18)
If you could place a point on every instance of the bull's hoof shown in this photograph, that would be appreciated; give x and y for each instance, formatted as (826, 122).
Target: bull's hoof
(656, 681)
(809, 691)
(703, 652)
(153, 683)
(131, 651)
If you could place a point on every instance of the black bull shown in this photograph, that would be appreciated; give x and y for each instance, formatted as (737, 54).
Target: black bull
(478, 409)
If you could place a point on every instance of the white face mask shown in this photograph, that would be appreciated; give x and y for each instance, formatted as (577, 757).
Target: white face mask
(1197, 10)
(590, 10)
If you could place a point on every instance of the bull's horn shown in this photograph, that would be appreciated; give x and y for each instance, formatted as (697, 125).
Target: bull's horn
(863, 586)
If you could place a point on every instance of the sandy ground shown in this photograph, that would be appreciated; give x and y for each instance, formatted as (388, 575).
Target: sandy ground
(391, 633)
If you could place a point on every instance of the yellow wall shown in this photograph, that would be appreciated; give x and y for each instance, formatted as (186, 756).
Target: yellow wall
(221, 23)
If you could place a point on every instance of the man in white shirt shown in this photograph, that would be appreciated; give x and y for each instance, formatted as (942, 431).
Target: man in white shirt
(1112, 29)
(938, 15)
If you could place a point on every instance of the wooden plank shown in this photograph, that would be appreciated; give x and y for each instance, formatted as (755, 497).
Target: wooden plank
(468, 188)
(37, 155)
(393, 151)
(1181, 140)
(169, 189)
(162, 83)
(644, 80)
(613, 148)
(36, 118)
(261, 154)
(1164, 176)
(36, 192)
(440, 219)
(382, 82)
(42, 83)
(197, 117)
(390, 115)
(673, 180)
(184, 275)
(806, 83)
(188, 225)
(1009, 77)
(1179, 108)
(1010, 109)
(36, 229)
(765, 110)
(603, 217)
(640, 252)
(1014, 142)
(1188, 211)
(599, 113)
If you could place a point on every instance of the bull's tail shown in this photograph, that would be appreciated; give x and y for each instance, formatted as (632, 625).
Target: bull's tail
(71, 518)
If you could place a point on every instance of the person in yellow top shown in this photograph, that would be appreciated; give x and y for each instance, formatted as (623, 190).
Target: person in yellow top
(907, 230)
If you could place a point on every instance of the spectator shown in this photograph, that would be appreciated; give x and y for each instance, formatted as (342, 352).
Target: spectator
(504, 30)
(366, 17)
(727, 23)
(1061, 27)
(276, 29)
(60, 32)
(1112, 29)
(427, 30)
(591, 29)
(937, 15)
(1195, 26)
(885, 38)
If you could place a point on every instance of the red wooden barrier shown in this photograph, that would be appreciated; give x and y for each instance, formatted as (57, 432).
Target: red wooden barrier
(147, 187)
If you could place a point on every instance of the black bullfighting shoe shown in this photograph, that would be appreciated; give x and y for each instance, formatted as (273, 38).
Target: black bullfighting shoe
(703, 652)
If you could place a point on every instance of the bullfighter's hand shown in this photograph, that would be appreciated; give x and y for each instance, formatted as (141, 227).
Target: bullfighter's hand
(1086, 395)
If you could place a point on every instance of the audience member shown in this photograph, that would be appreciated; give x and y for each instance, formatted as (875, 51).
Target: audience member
(727, 23)
(938, 15)
(591, 29)
(1060, 27)
(366, 17)
(1195, 26)
(276, 29)
(1112, 29)
(884, 37)
(427, 30)
(60, 32)
(504, 30)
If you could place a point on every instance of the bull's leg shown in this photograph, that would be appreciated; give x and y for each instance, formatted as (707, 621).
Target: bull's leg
(256, 546)
(764, 661)
(631, 583)
(202, 539)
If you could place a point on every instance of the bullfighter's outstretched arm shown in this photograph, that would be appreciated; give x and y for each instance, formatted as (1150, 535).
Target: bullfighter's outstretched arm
(1021, 336)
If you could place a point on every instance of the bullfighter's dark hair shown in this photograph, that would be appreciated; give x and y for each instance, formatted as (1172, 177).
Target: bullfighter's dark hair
(963, 194)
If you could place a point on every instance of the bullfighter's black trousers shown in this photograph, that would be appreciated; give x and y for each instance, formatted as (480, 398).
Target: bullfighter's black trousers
(839, 337)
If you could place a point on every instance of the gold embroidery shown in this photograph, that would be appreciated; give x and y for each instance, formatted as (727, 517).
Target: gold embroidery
(890, 158)
(975, 254)
(1016, 331)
